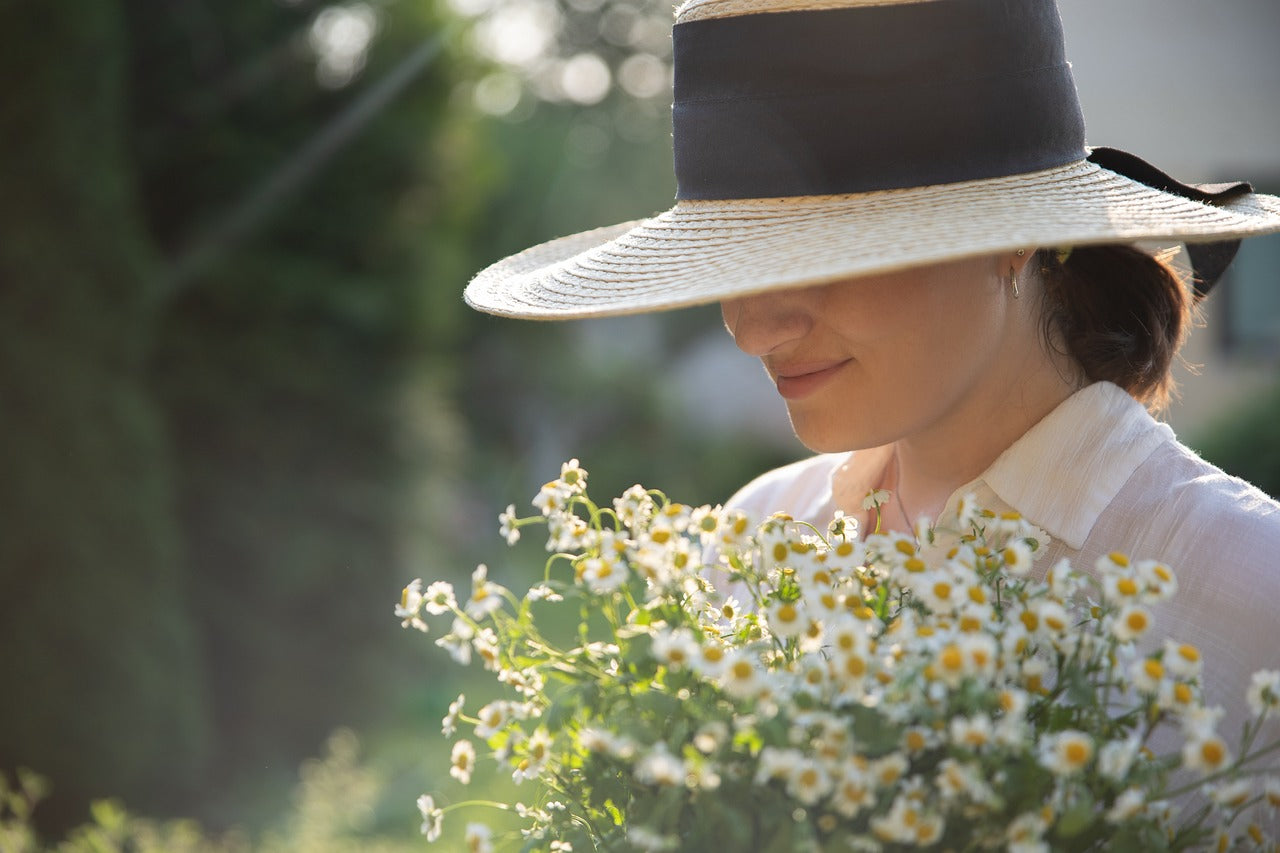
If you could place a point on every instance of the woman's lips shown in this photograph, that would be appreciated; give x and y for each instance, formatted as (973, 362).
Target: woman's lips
(796, 381)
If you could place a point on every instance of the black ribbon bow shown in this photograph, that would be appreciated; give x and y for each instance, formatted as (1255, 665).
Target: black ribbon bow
(1208, 260)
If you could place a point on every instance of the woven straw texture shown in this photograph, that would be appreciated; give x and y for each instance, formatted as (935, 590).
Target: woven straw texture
(705, 251)
(698, 10)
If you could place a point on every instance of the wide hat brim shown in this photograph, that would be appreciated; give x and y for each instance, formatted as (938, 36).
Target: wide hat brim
(706, 251)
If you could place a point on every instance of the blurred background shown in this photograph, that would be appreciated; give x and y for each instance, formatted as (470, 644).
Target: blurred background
(242, 402)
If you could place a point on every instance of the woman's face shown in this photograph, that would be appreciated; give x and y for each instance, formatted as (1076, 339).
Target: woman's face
(866, 361)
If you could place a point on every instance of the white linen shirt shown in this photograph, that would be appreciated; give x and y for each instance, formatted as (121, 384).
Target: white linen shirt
(1099, 474)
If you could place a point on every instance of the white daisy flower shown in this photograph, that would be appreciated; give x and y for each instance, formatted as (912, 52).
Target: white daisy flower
(449, 725)
(462, 761)
(537, 753)
(1066, 753)
(1159, 581)
(786, 618)
(1132, 622)
(1147, 675)
(410, 606)
(486, 596)
(674, 649)
(1116, 757)
(808, 782)
(875, 499)
(432, 817)
(1129, 804)
(660, 767)
(603, 575)
(1017, 556)
(1263, 694)
(492, 718)
(439, 598)
(1206, 754)
(1182, 660)
(741, 676)
(458, 642)
(507, 525)
(478, 838)
(1232, 794)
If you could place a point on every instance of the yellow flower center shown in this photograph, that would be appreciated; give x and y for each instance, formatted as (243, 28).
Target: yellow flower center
(1136, 621)
(1076, 753)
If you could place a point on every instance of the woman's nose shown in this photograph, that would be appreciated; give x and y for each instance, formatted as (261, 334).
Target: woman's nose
(765, 322)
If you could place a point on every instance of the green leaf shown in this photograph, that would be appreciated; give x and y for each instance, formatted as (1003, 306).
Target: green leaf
(1077, 816)
(783, 841)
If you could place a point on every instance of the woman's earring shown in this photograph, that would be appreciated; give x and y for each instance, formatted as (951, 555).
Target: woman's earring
(1013, 280)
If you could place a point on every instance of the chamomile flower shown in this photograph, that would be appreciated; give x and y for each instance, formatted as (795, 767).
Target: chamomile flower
(875, 499)
(1147, 674)
(486, 596)
(1232, 794)
(1066, 753)
(660, 767)
(1116, 757)
(439, 598)
(462, 761)
(1158, 580)
(853, 789)
(493, 718)
(458, 642)
(602, 575)
(1182, 659)
(485, 643)
(1271, 793)
(537, 752)
(449, 724)
(1206, 754)
(808, 782)
(741, 676)
(1129, 804)
(478, 838)
(1017, 556)
(972, 733)
(508, 526)
(432, 817)
(410, 606)
(786, 618)
(674, 649)
(1263, 694)
(1131, 623)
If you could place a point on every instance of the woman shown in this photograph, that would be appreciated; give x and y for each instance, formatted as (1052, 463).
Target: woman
(894, 205)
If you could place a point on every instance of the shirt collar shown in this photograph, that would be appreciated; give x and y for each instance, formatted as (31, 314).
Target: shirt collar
(1064, 471)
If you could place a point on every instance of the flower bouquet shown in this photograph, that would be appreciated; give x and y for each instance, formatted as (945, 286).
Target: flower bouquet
(779, 687)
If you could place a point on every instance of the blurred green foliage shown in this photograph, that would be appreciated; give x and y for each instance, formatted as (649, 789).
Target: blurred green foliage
(1246, 442)
(241, 399)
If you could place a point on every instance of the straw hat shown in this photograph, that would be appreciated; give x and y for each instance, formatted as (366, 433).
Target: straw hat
(817, 140)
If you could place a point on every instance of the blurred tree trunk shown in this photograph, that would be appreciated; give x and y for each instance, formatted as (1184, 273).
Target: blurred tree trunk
(103, 691)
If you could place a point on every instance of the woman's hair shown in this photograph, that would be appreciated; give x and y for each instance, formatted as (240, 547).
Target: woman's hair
(1121, 313)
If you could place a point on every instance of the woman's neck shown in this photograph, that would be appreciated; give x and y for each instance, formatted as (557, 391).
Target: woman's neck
(929, 466)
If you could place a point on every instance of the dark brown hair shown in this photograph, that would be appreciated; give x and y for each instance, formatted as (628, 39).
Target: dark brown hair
(1121, 313)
